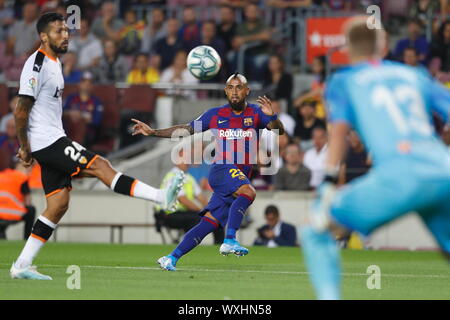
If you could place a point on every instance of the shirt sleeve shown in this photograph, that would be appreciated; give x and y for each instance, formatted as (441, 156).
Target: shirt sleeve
(202, 122)
(337, 102)
(30, 80)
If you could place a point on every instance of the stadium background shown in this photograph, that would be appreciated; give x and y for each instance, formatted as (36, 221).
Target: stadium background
(296, 34)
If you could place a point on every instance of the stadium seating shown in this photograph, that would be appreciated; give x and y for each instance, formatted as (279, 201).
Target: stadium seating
(5, 158)
(15, 68)
(396, 8)
(108, 94)
(5, 61)
(136, 101)
(69, 88)
(395, 13)
(75, 128)
(139, 98)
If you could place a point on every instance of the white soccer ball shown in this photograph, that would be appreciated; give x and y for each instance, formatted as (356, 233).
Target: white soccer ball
(203, 62)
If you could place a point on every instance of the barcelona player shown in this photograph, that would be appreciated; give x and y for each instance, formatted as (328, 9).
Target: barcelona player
(390, 105)
(235, 126)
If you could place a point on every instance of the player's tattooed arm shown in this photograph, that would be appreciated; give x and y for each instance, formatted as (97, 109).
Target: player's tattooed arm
(180, 130)
(21, 115)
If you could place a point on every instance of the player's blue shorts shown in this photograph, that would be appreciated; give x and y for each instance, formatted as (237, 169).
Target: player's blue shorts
(392, 190)
(224, 179)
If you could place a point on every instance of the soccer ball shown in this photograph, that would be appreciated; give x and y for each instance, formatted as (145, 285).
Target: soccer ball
(203, 62)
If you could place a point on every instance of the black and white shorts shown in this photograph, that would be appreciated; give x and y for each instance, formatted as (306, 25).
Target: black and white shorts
(60, 162)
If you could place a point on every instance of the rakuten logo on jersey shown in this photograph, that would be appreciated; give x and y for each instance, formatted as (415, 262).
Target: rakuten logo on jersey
(235, 134)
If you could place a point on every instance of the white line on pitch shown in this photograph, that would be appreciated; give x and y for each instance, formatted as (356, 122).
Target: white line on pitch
(247, 271)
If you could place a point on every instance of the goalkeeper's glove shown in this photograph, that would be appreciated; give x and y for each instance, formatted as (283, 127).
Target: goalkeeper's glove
(320, 212)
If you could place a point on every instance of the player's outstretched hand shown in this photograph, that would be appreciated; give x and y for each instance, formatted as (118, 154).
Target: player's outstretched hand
(321, 207)
(142, 128)
(25, 157)
(266, 105)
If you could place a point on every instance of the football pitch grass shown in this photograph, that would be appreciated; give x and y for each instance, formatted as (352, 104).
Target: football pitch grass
(130, 272)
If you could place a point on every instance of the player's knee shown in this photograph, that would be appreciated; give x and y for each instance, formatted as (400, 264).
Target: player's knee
(211, 217)
(63, 207)
(57, 210)
(99, 166)
(58, 204)
(248, 191)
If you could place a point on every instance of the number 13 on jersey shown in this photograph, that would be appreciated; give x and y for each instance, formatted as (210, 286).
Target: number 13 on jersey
(405, 107)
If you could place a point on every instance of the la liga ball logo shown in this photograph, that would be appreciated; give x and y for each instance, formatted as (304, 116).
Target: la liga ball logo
(32, 82)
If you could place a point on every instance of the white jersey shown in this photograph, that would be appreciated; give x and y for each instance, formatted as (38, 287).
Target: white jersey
(42, 79)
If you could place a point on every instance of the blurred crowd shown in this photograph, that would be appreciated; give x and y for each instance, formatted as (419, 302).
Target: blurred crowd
(117, 43)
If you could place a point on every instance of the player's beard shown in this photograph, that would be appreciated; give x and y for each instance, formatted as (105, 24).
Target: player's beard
(237, 106)
(58, 50)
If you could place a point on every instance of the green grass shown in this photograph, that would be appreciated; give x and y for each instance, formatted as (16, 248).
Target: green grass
(130, 272)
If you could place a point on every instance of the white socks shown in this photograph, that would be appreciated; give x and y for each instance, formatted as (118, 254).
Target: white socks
(129, 186)
(144, 191)
(32, 246)
(114, 181)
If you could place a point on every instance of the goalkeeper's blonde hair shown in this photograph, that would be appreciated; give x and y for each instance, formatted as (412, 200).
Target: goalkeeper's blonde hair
(362, 40)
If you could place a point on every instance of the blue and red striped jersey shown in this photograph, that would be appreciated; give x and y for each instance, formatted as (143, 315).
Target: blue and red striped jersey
(237, 135)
